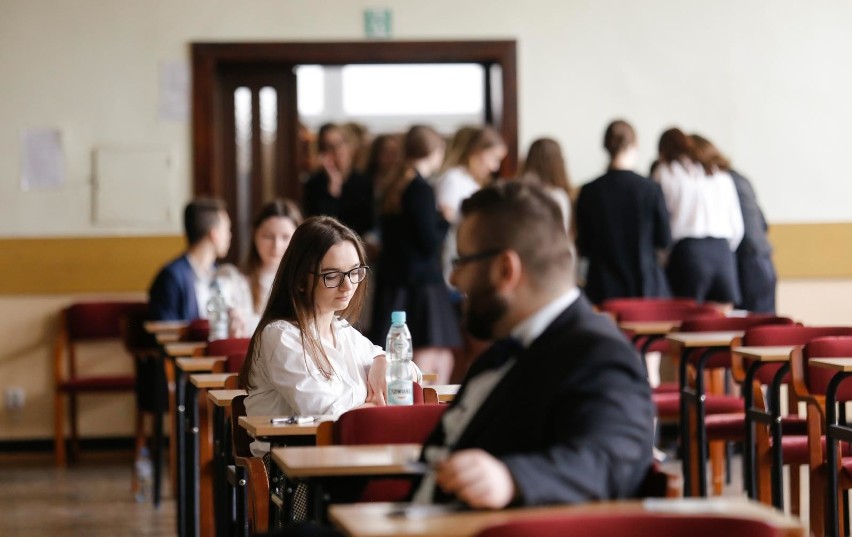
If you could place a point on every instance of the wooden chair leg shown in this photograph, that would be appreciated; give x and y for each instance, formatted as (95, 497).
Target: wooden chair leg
(59, 453)
(717, 466)
(75, 433)
(795, 490)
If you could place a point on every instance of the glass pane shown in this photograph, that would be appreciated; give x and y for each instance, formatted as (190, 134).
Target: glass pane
(268, 135)
(242, 134)
(310, 89)
(413, 89)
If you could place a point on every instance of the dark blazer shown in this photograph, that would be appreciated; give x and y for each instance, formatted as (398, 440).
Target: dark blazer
(354, 207)
(621, 221)
(172, 295)
(572, 419)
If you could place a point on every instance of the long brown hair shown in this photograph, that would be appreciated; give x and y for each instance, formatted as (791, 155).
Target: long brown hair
(480, 140)
(545, 164)
(278, 208)
(292, 295)
(709, 155)
(675, 146)
(420, 141)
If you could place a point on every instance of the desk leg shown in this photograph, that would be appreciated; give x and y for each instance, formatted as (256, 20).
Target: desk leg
(178, 447)
(160, 389)
(222, 512)
(191, 472)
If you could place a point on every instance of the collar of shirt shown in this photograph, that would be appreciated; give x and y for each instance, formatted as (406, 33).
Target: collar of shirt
(530, 328)
(201, 274)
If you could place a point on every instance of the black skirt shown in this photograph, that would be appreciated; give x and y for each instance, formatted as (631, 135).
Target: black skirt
(430, 315)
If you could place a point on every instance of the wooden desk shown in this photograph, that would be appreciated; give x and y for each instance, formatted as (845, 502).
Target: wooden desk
(219, 405)
(260, 428)
(161, 327)
(650, 328)
(682, 345)
(199, 365)
(185, 348)
(440, 393)
(429, 378)
(337, 461)
(167, 337)
(377, 519)
(758, 357)
(318, 465)
(210, 381)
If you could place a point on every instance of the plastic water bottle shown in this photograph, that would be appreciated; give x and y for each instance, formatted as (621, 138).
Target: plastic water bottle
(217, 312)
(399, 351)
(144, 476)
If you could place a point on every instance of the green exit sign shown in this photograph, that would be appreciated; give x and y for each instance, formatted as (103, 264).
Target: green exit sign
(377, 23)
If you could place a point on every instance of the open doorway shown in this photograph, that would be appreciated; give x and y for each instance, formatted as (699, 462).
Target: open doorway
(251, 143)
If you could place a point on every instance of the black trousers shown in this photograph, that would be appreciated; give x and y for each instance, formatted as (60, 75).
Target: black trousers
(757, 282)
(703, 269)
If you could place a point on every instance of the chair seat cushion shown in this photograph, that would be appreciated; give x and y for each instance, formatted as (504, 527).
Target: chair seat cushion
(106, 383)
(667, 387)
(729, 426)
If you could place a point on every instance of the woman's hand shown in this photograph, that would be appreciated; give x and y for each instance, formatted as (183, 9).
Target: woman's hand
(377, 384)
(236, 324)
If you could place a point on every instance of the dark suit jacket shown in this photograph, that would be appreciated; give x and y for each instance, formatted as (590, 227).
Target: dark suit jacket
(572, 419)
(621, 221)
(172, 295)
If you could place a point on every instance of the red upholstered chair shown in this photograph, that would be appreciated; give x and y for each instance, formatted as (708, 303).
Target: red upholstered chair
(636, 525)
(226, 347)
(777, 445)
(383, 425)
(197, 330)
(811, 384)
(84, 323)
(722, 416)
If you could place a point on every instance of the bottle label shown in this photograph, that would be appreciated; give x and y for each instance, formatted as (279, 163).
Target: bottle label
(400, 392)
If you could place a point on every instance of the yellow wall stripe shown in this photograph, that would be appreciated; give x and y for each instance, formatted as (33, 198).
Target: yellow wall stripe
(77, 264)
(812, 250)
(126, 264)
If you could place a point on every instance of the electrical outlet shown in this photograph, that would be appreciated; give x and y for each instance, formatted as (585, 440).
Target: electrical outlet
(15, 398)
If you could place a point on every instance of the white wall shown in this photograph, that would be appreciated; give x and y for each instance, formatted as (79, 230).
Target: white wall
(767, 82)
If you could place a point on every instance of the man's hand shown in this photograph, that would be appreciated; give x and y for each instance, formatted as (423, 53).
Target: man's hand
(476, 478)
(377, 382)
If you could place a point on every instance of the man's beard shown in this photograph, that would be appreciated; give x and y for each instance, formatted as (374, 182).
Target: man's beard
(484, 308)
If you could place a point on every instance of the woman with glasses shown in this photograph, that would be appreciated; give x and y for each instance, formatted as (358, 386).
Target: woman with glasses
(305, 358)
(409, 270)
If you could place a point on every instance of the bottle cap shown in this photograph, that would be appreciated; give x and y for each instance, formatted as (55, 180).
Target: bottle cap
(398, 317)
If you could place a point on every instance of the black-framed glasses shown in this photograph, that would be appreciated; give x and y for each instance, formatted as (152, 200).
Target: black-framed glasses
(334, 279)
(465, 259)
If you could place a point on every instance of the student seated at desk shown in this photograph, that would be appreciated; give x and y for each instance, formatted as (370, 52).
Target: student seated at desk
(247, 290)
(182, 288)
(305, 358)
(559, 410)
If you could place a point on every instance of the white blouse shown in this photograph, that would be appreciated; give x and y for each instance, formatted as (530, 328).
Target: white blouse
(451, 189)
(700, 205)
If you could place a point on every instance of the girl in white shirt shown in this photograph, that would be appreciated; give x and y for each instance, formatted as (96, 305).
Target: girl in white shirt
(706, 222)
(304, 357)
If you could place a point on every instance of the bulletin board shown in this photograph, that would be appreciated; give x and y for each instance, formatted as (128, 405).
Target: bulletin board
(132, 186)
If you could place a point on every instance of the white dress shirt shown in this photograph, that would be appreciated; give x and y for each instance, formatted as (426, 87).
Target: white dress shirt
(477, 390)
(699, 205)
(287, 382)
(202, 282)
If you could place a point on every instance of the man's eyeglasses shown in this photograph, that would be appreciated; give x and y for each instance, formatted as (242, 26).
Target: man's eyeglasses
(465, 259)
(334, 279)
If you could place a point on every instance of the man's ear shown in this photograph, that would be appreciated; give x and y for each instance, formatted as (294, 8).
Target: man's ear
(506, 271)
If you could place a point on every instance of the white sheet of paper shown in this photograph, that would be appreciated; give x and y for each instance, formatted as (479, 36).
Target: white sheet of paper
(174, 91)
(42, 161)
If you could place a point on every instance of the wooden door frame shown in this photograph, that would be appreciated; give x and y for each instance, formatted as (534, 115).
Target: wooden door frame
(209, 58)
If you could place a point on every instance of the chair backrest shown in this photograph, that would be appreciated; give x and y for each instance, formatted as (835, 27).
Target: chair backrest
(636, 525)
(197, 330)
(234, 362)
(817, 378)
(666, 312)
(386, 425)
(617, 305)
(228, 347)
(89, 321)
(240, 439)
(787, 335)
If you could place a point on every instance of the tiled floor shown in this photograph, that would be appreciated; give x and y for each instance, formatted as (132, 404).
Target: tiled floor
(91, 499)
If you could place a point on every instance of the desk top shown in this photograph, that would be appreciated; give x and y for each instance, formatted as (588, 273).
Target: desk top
(779, 353)
(429, 377)
(167, 337)
(843, 365)
(260, 427)
(650, 328)
(334, 461)
(375, 519)
(185, 348)
(159, 327)
(445, 392)
(210, 381)
(704, 339)
(223, 398)
(200, 364)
